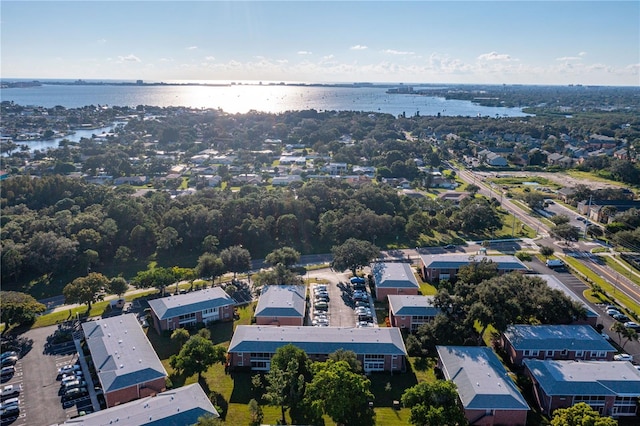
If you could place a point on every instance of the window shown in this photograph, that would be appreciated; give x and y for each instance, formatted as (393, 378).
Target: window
(579, 354)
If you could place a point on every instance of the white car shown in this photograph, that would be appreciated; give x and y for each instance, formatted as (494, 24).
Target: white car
(623, 357)
(10, 391)
(69, 368)
(606, 336)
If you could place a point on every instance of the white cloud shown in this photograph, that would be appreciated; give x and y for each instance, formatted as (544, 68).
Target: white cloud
(209, 58)
(101, 41)
(494, 56)
(165, 59)
(569, 58)
(582, 54)
(192, 47)
(397, 52)
(129, 58)
(304, 52)
(358, 47)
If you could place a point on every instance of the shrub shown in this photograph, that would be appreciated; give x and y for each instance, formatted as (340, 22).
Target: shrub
(524, 256)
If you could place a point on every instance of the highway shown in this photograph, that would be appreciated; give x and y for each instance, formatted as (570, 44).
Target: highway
(580, 250)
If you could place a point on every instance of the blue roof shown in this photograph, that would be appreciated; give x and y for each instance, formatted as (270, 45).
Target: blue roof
(394, 275)
(557, 337)
(357, 280)
(556, 284)
(282, 301)
(318, 340)
(455, 261)
(482, 380)
(121, 353)
(194, 301)
(412, 306)
(175, 407)
(600, 378)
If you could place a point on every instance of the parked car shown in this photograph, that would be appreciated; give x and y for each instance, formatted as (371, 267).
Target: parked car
(357, 280)
(8, 354)
(8, 402)
(70, 378)
(8, 371)
(324, 298)
(74, 393)
(621, 317)
(633, 325)
(10, 360)
(10, 391)
(606, 336)
(69, 368)
(320, 321)
(623, 357)
(321, 306)
(449, 246)
(612, 312)
(9, 412)
(78, 383)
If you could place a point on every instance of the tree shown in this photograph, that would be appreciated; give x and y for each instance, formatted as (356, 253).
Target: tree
(353, 254)
(290, 370)
(209, 420)
(286, 256)
(256, 413)
(534, 199)
(210, 265)
(18, 308)
(86, 289)
(580, 414)
(118, 285)
(159, 278)
(210, 243)
(624, 333)
(180, 336)
(559, 219)
(566, 232)
(340, 393)
(236, 259)
(546, 251)
(349, 357)
(472, 188)
(475, 272)
(196, 356)
(433, 404)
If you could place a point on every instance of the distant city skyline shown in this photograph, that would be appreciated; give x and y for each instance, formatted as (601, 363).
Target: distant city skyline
(499, 42)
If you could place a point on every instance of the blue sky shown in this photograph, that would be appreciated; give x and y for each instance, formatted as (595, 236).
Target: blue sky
(527, 42)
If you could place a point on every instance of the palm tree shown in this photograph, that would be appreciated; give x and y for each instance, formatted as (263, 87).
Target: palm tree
(625, 333)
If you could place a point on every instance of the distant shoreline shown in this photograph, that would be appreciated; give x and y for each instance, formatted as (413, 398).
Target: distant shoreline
(8, 84)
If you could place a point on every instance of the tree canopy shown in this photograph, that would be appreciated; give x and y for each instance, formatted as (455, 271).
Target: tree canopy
(18, 308)
(196, 356)
(340, 393)
(236, 259)
(87, 289)
(353, 254)
(580, 414)
(434, 404)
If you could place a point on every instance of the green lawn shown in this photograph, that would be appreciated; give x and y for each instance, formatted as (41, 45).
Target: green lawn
(608, 288)
(615, 264)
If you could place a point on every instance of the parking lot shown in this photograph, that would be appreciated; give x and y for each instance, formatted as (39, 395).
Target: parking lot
(341, 305)
(37, 375)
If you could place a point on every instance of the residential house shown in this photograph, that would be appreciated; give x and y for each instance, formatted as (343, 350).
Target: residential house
(285, 180)
(453, 196)
(601, 141)
(189, 309)
(290, 159)
(126, 364)
(487, 393)
(438, 267)
(247, 179)
(591, 315)
(180, 406)
(556, 159)
(336, 168)
(377, 348)
(566, 194)
(281, 305)
(573, 342)
(130, 180)
(410, 312)
(492, 159)
(596, 212)
(609, 387)
(393, 278)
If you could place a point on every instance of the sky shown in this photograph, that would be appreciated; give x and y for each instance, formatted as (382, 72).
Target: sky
(469, 42)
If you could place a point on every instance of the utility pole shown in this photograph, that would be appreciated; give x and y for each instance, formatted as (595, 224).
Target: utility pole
(586, 222)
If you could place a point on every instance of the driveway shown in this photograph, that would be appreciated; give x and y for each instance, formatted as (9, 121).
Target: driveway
(341, 313)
